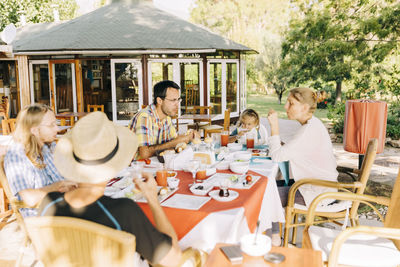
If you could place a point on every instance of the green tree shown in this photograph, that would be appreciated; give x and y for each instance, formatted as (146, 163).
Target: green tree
(338, 41)
(35, 11)
(250, 23)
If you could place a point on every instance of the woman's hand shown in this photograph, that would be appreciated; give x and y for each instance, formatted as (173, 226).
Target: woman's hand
(148, 186)
(273, 122)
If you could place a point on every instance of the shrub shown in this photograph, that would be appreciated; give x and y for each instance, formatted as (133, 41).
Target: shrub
(393, 121)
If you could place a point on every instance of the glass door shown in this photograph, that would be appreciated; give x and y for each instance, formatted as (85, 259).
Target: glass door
(126, 89)
(63, 85)
(39, 81)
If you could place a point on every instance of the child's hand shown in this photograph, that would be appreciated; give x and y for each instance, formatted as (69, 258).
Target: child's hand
(242, 132)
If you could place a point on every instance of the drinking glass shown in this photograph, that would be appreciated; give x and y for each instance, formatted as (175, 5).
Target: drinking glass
(250, 140)
(193, 166)
(224, 138)
(136, 169)
(161, 176)
(201, 173)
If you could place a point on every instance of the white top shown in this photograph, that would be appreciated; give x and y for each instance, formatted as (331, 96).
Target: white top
(310, 155)
(260, 135)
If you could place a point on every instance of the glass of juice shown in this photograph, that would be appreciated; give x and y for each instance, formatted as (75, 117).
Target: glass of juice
(250, 140)
(201, 173)
(161, 176)
(224, 138)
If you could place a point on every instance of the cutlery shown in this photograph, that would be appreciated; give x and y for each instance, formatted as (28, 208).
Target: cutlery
(255, 236)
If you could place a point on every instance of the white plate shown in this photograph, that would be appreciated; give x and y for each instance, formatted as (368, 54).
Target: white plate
(232, 195)
(138, 197)
(201, 192)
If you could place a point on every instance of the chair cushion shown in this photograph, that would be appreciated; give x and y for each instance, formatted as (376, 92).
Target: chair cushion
(358, 250)
(341, 205)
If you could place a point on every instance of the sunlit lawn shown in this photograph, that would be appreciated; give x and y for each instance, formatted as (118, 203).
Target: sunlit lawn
(262, 103)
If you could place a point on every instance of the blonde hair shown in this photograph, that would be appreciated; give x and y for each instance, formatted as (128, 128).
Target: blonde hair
(250, 113)
(31, 116)
(305, 96)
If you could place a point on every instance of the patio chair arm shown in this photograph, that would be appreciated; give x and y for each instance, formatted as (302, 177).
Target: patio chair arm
(385, 232)
(347, 169)
(319, 182)
(342, 196)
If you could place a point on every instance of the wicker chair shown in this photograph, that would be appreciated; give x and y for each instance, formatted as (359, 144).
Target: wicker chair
(359, 245)
(337, 211)
(15, 206)
(76, 242)
(8, 126)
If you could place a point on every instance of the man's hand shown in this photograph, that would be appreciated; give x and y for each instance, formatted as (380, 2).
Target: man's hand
(273, 122)
(148, 186)
(188, 137)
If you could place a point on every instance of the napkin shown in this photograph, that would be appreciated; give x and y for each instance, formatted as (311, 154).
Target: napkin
(180, 160)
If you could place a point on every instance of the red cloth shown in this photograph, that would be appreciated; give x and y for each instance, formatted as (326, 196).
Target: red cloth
(364, 119)
(184, 220)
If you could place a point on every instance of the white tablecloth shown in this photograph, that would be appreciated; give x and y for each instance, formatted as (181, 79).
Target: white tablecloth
(230, 225)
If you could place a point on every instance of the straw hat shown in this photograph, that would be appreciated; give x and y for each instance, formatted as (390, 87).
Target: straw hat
(95, 150)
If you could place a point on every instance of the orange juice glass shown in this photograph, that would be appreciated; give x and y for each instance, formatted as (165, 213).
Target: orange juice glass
(161, 177)
(250, 140)
(224, 138)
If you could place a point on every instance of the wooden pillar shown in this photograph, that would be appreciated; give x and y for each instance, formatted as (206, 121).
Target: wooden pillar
(79, 85)
(205, 85)
(145, 78)
(23, 77)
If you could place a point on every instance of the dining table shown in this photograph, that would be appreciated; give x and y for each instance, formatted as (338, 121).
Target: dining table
(299, 257)
(224, 222)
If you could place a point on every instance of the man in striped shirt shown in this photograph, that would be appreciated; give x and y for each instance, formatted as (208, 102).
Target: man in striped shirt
(153, 125)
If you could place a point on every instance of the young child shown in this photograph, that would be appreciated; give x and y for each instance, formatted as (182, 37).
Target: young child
(249, 123)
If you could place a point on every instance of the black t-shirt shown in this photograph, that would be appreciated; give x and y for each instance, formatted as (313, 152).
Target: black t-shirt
(150, 243)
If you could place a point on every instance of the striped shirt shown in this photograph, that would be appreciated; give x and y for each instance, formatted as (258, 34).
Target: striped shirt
(22, 174)
(150, 130)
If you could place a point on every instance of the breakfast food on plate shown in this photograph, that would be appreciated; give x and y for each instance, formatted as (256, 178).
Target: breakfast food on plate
(171, 174)
(163, 191)
(167, 152)
(180, 147)
(196, 141)
(208, 140)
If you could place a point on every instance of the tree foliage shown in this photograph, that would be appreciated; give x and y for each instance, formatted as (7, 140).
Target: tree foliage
(35, 11)
(338, 41)
(256, 24)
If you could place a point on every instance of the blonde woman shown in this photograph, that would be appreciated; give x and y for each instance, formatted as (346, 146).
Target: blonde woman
(309, 152)
(28, 162)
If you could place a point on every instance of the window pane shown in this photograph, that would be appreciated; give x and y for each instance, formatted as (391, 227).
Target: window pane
(215, 87)
(41, 89)
(231, 86)
(96, 80)
(159, 72)
(63, 81)
(190, 77)
(127, 89)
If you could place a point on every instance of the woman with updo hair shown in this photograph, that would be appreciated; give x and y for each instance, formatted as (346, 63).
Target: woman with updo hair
(309, 152)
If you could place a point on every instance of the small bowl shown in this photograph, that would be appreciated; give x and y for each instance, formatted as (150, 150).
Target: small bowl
(173, 182)
(197, 190)
(243, 155)
(234, 147)
(261, 247)
(171, 174)
(239, 167)
(223, 165)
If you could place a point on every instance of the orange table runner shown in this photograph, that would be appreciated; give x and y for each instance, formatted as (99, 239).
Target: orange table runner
(184, 220)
